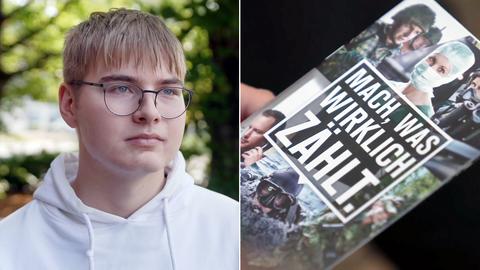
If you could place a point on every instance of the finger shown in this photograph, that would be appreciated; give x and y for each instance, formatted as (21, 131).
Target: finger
(252, 99)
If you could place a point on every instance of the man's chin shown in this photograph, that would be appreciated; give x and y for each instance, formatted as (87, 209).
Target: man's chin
(143, 165)
(148, 169)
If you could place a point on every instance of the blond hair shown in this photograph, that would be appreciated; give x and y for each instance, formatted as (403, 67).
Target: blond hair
(115, 38)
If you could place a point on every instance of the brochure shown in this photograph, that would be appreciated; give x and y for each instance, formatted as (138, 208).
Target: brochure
(359, 141)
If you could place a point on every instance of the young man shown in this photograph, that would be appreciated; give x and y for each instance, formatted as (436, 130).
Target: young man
(430, 38)
(252, 142)
(276, 196)
(124, 201)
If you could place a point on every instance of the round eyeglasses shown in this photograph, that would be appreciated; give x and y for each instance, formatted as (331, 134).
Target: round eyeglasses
(123, 98)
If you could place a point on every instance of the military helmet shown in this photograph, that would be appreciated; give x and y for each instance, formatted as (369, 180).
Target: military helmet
(419, 14)
(287, 180)
(433, 35)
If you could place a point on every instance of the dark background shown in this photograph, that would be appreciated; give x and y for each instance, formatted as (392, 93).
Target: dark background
(282, 40)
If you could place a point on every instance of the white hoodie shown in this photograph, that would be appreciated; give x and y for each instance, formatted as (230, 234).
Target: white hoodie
(183, 227)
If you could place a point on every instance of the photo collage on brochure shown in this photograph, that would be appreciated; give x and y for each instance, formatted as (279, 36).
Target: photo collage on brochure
(381, 124)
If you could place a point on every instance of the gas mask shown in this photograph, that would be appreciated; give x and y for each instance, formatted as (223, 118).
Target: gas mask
(474, 95)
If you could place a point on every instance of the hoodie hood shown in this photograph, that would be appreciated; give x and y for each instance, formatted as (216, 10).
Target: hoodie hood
(183, 227)
(56, 190)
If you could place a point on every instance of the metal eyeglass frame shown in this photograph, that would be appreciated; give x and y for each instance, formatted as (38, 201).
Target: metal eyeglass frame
(190, 94)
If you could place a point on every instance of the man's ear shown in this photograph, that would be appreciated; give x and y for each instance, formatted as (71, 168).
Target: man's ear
(66, 101)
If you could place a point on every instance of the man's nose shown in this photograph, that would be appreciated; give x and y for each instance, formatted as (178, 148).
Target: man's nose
(147, 112)
(247, 133)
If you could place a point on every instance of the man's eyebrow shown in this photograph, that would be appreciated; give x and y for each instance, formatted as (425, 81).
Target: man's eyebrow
(126, 78)
(169, 81)
(118, 77)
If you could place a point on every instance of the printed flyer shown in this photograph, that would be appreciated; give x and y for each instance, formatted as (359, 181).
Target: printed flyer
(356, 143)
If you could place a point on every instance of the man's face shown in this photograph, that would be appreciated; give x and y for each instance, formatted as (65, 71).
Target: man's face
(143, 142)
(253, 136)
(405, 32)
(258, 206)
(475, 85)
(420, 42)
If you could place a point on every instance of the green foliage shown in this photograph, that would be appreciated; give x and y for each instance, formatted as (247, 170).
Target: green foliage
(324, 238)
(22, 173)
(209, 33)
(30, 64)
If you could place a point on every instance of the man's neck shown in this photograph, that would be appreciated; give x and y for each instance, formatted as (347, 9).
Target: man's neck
(117, 193)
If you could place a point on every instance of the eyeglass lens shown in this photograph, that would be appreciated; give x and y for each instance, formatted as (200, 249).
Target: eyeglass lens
(125, 99)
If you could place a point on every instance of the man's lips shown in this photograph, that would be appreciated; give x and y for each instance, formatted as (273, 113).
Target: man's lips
(145, 139)
(146, 136)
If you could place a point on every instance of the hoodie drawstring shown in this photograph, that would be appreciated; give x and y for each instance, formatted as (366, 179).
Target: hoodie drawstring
(170, 242)
(89, 252)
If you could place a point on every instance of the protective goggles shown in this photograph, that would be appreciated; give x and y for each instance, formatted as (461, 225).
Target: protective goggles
(272, 196)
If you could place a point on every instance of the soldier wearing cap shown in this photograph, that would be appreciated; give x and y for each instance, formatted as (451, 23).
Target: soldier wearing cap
(430, 38)
(381, 40)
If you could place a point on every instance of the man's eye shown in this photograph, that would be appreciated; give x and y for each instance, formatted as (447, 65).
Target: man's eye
(170, 92)
(258, 131)
(120, 89)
